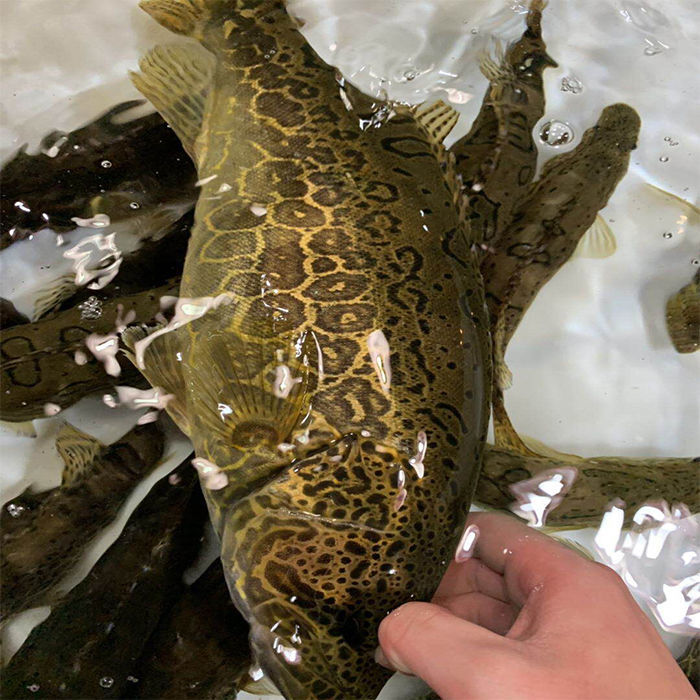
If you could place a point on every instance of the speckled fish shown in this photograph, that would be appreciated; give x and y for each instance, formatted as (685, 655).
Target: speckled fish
(338, 401)
(545, 230)
(46, 367)
(200, 648)
(596, 481)
(89, 645)
(43, 534)
(114, 166)
(683, 316)
(497, 159)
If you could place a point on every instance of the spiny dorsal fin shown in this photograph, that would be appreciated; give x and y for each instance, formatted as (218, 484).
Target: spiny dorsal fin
(597, 242)
(78, 451)
(437, 119)
(179, 16)
(162, 368)
(53, 296)
(176, 80)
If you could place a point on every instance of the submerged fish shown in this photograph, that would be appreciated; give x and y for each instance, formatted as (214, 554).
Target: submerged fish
(89, 645)
(596, 482)
(683, 316)
(112, 166)
(497, 159)
(338, 401)
(47, 362)
(156, 262)
(200, 648)
(43, 534)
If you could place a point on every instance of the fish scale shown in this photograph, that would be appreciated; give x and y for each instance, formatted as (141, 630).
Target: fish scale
(327, 232)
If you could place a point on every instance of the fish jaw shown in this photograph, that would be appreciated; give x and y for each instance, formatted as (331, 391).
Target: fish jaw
(317, 557)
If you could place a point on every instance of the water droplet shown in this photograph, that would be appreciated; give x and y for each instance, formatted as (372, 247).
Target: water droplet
(409, 74)
(695, 261)
(33, 688)
(258, 209)
(135, 205)
(664, 159)
(132, 679)
(556, 133)
(571, 84)
(106, 163)
(14, 510)
(90, 309)
(668, 234)
(106, 682)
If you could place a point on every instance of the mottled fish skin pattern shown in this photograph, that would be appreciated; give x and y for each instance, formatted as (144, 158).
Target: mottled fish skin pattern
(497, 159)
(360, 233)
(37, 360)
(200, 648)
(103, 624)
(598, 482)
(683, 317)
(146, 165)
(56, 526)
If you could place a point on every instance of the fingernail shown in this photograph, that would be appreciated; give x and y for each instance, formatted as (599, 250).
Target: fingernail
(393, 664)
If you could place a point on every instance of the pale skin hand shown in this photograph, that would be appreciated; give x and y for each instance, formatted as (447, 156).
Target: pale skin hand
(528, 618)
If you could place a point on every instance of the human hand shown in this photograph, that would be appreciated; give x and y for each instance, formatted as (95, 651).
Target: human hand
(527, 617)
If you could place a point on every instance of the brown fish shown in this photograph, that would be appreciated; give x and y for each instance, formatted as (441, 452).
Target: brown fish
(200, 648)
(113, 166)
(89, 645)
(44, 534)
(38, 360)
(683, 316)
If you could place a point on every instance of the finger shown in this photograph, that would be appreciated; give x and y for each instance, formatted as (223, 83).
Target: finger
(529, 560)
(430, 642)
(470, 576)
(482, 610)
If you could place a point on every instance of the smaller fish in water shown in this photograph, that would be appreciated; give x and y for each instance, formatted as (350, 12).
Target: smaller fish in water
(54, 527)
(68, 179)
(598, 480)
(40, 364)
(200, 648)
(88, 645)
(683, 316)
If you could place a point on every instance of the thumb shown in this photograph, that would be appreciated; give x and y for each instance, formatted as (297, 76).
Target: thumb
(428, 641)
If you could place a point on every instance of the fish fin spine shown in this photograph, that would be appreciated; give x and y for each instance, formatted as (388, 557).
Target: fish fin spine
(53, 296)
(175, 79)
(437, 120)
(598, 241)
(78, 451)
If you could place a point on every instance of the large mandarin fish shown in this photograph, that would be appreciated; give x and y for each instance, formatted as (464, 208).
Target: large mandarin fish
(338, 402)
(90, 643)
(116, 166)
(44, 534)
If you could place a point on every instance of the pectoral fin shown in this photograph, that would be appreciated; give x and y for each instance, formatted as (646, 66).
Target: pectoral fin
(53, 296)
(597, 242)
(78, 451)
(163, 368)
(176, 80)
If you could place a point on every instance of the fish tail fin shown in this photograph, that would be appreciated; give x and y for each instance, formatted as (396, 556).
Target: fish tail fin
(505, 434)
(598, 241)
(78, 451)
(303, 554)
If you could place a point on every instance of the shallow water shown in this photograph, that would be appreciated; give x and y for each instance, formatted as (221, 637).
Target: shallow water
(595, 372)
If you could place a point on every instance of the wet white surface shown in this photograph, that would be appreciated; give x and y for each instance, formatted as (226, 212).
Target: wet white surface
(594, 370)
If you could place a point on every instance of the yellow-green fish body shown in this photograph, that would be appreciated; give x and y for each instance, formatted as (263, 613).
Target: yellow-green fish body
(683, 316)
(338, 402)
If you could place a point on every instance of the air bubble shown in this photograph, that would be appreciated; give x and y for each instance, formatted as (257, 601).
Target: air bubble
(571, 84)
(33, 688)
(556, 133)
(695, 261)
(106, 163)
(14, 510)
(90, 309)
(134, 205)
(664, 159)
(106, 682)
(668, 234)
(409, 75)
